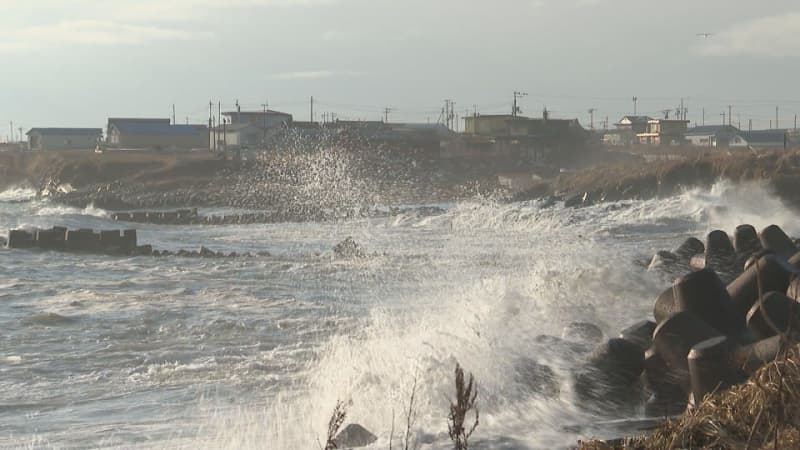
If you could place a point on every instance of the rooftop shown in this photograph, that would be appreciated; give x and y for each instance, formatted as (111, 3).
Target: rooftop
(66, 131)
(161, 129)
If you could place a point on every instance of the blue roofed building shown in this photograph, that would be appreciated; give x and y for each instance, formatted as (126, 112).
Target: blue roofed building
(155, 134)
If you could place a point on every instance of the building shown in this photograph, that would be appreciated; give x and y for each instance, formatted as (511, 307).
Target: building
(239, 136)
(117, 121)
(268, 119)
(773, 139)
(518, 137)
(156, 135)
(664, 132)
(713, 136)
(64, 138)
(626, 130)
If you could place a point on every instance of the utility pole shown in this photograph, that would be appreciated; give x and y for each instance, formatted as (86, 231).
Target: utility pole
(386, 112)
(730, 114)
(211, 137)
(795, 122)
(265, 105)
(173, 115)
(635, 105)
(516, 109)
(750, 125)
(239, 112)
(704, 117)
(591, 118)
(312, 109)
(11, 128)
(723, 117)
(777, 124)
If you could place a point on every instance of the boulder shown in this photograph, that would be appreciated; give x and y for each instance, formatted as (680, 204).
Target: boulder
(582, 332)
(348, 249)
(354, 436)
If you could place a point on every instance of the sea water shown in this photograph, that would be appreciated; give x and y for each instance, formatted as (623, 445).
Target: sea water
(142, 352)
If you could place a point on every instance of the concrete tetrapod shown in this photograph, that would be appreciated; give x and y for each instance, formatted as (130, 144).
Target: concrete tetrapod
(720, 255)
(640, 334)
(774, 239)
(774, 314)
(770, 273)
(690, 247)
(675, 337)
(612, 369)
(712, 366)
(664, 306)
(745, 240)
(703, 294)
(667, 396)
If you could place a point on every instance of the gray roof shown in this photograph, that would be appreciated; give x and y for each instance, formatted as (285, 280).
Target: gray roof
(161, 129)
(255, 113)
(707, 130)
(66, 131)
(774, 136)
(636, 119)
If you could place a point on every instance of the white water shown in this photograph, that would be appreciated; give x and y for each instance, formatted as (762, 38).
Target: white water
(255, 353)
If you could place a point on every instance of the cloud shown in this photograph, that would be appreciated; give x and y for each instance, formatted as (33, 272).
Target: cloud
(190, 10)
(771, 37)
(317, 74)
(90, 32)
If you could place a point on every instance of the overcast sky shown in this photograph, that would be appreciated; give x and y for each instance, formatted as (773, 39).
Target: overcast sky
(77, 62)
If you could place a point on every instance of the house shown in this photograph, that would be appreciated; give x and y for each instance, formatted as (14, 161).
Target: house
(663, 132)
(64, 138)
(268, 119)
(626, 130)
(238, 136)
(712, 136)
(116, 121)
(147, 134)
(772, 139)
(519, 137)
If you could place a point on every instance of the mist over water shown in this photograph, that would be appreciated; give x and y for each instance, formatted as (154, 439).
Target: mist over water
(255, 352)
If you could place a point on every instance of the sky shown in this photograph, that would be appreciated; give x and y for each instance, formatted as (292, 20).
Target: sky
(77, 62)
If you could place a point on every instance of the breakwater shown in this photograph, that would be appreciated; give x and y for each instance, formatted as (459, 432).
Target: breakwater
(105, 242)
(729, 313)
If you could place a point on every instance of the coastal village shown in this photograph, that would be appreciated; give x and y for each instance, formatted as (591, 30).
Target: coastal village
(529, 138)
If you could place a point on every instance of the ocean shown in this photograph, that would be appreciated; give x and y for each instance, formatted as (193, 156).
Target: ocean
(255, 352)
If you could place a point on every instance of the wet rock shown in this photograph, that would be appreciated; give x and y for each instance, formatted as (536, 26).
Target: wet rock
(348, 249)
(541, 379)
(611, 375)
(354, 436)
(582, 332)
(206, 253)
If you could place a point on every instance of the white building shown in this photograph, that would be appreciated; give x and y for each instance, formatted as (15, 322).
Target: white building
(64, 138)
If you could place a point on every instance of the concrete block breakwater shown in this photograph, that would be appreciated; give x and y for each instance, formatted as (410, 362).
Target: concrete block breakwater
(105, 242)
(192, 217)
(731, 312)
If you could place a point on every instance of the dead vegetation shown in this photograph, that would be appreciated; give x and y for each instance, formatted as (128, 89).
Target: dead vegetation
(465, 401)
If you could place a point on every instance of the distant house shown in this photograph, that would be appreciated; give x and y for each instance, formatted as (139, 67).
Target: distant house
(147, 134)
(63, 138)
(247, 129)
(263, 119)
(712, 136)
(117, 121)
(238, 136)
(767, 139)
(627, 130)
(664, 132)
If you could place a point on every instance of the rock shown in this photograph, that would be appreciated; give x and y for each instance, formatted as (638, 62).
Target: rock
(354, 436)
(582, 332)
(347, 249)
(538, 377)
(640, 334)
(206, 253)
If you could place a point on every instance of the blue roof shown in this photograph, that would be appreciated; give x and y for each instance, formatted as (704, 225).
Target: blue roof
(160, 129)
(764, 136)
(704, 130)
(66, 131)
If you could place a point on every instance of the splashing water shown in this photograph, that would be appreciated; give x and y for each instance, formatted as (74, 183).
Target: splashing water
(168, 353)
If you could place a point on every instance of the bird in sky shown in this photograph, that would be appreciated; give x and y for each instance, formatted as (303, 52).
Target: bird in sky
(704, 35)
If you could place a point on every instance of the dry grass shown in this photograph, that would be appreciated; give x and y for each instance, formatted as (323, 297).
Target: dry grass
(334, 424)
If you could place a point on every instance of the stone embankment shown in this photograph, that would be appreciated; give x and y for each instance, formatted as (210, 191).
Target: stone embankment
(105, 242)
(730, 313)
